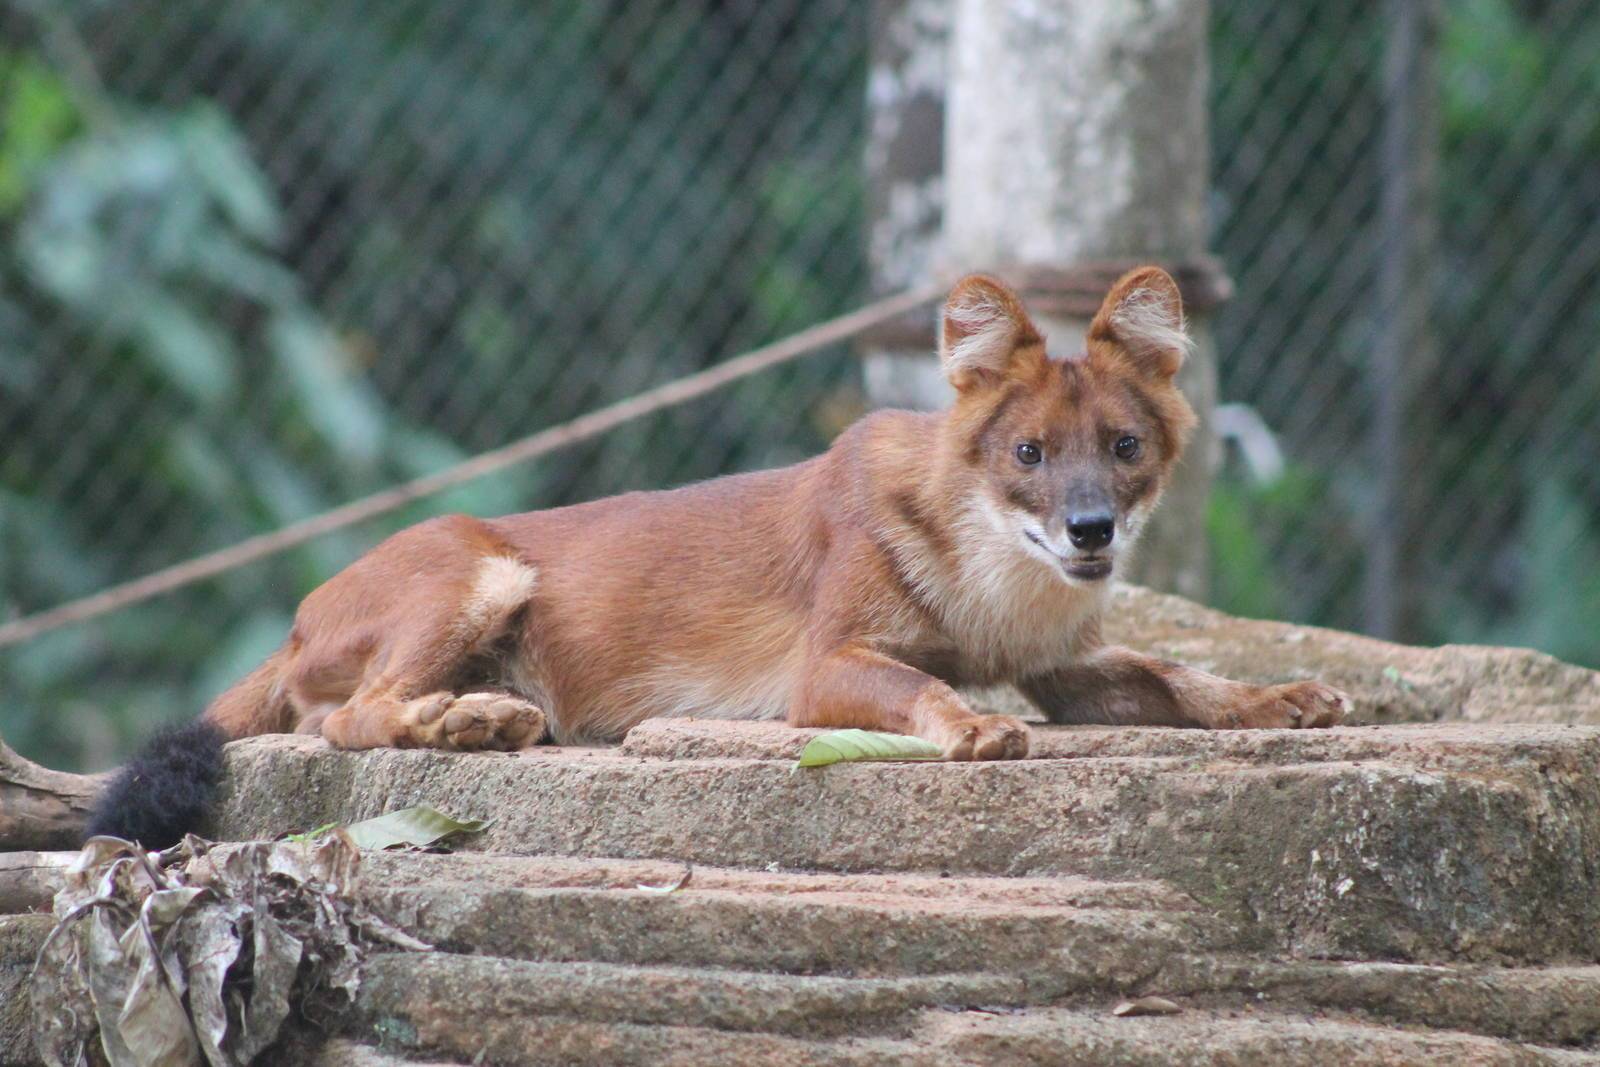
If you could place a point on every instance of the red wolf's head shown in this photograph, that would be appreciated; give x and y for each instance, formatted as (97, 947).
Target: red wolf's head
(1068, 456)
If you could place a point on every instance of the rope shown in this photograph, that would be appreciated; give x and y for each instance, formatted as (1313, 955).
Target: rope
(582, 428)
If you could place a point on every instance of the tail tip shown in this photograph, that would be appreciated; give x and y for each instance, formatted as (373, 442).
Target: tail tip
(165, 791)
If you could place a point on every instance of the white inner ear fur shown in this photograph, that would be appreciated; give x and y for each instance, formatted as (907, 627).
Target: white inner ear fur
(1146, 325)
(988, 335)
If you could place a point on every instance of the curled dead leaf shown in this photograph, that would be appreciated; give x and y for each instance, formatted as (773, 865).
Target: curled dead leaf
(671, 887)
(1147, 1006)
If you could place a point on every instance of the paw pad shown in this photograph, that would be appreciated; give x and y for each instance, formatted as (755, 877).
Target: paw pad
(473, 721)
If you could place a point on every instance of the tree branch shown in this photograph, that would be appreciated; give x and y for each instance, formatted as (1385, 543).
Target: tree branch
(40, 808)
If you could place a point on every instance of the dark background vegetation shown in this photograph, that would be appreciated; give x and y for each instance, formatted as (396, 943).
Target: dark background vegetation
(258, 258)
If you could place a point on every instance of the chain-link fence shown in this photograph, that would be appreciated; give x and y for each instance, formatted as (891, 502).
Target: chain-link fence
(263, 257)
(1411, 211)
(258, 258)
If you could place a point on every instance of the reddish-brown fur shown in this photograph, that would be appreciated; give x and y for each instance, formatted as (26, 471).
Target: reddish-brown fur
(919, 553)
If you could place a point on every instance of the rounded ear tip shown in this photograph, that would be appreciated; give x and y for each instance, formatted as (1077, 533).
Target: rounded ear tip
(1149, 277)
(979, 283)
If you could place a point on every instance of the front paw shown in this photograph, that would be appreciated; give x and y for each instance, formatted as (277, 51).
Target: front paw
(986, 737)
(1295, 705)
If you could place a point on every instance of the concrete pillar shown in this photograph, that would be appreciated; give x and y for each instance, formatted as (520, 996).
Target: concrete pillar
(1075, 145)
(906, 82)
(1403, 356)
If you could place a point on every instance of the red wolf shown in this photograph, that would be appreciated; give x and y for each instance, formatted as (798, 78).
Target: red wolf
(920, 553)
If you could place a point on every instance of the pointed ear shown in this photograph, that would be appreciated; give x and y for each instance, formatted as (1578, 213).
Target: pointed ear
(1143, 315)
(981, 330)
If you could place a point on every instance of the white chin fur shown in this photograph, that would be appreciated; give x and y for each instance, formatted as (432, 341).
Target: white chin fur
(1048, 555)
(1014, 528)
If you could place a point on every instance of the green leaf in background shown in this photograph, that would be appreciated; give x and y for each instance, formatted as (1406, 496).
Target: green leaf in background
(221, 158)
(419, 451)
(236, 651)
(339, 403)
(311, 835)
(189, 351)
(414, 827)
(849, 746)
(36, 116)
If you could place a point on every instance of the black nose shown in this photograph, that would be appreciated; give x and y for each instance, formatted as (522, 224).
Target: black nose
(1091, 532)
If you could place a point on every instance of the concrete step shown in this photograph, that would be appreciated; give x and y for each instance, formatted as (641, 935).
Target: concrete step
(1390, 683)
(1423, 844)
(1065, 935)
(1236, 1037)
(1558, 1006)
(988, 970)
(1065, 938)
(511, 1030)
(305, 1050)
(21, 937)
(425, 992)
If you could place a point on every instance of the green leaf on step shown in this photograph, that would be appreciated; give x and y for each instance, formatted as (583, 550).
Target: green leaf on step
(855, 745)
(311, 835)
(1393, 675)
(415, 827)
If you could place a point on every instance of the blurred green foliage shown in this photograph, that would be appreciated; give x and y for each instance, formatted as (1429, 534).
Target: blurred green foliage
(259, 259)
(145, 241)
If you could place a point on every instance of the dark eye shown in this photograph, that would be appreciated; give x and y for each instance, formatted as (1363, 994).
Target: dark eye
(1126, 448)
(1029, 453)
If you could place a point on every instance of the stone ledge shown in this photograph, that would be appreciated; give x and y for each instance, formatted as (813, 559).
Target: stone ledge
(1419, 843)
(1432, 745)
(1390, 682)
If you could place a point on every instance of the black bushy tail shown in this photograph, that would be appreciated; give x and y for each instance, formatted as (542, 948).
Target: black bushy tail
(164, 791)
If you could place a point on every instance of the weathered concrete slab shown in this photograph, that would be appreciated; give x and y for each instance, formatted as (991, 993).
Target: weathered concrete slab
(1439, 745)
(1391, 683)
(1238, 1037)
(750, 967)
(1391, 842)
(1069, 937)
(489, 871)
(1066, 938)
(21, 936)
(427, 991)
(1549, 1005)
(1090, 1037)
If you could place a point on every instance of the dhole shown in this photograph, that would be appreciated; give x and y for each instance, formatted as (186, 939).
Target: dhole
(919, 553)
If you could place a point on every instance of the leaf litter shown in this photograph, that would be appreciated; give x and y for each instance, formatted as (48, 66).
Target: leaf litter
(419, 826)
(195, 955)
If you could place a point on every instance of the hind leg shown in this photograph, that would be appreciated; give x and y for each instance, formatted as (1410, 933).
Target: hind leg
(415, 701)
(384, 653)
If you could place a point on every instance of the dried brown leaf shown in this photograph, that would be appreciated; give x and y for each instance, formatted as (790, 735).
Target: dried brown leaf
(670, 887)
(1147, 1006)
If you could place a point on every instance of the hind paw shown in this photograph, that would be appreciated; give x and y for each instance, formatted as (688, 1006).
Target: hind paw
(472, 721)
